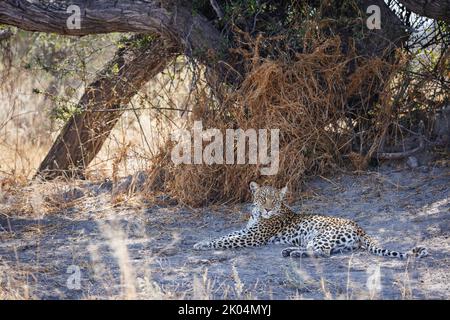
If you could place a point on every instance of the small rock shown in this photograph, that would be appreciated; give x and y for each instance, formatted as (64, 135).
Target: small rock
(105, 186)
(72, 194)
(424, 169)
(412, 162)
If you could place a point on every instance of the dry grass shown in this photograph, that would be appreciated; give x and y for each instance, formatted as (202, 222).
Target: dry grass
(306, 98)
(14, 283)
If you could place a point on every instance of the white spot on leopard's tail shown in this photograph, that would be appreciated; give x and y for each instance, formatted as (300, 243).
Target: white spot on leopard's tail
(203, 245)
(418, 252)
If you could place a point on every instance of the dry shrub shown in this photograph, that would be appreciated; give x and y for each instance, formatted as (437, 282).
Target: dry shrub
(305, 97)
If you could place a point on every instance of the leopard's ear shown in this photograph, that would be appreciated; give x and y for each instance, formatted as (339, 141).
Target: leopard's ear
(283, 192)
(254, 186)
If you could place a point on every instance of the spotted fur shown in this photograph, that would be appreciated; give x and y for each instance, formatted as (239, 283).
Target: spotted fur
(308, 235)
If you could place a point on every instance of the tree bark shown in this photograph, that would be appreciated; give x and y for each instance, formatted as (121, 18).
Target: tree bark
(177, 30)
(435, 9)
(84, 134)
(105, 16)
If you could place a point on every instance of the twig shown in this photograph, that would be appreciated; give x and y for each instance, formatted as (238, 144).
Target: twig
(5, 34)
(404, 154)
(216, 8)
(400, 155)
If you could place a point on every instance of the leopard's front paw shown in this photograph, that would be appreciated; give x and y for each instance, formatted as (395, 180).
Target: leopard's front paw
(286, 252)
(202, 245)
(298, 254)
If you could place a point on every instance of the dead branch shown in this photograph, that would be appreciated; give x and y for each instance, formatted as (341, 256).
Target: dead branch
(400, 155)
(407, 153)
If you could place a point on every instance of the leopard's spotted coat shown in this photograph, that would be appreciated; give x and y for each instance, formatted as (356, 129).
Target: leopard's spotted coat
(274, 222)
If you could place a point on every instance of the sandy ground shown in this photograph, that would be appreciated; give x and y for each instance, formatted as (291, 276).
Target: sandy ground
(145, 251)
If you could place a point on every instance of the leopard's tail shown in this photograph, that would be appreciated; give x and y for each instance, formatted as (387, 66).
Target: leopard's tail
(373, 248)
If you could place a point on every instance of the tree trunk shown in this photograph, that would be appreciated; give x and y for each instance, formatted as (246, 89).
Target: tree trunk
(435, 9)
(101, 106)
(106, 16)
(177, 30)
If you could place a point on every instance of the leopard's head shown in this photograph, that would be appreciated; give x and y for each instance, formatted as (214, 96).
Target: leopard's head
(267, 199)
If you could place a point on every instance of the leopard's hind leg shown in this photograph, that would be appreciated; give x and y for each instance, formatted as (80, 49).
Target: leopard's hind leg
(300, 252)
(317, 247)
(323, 246)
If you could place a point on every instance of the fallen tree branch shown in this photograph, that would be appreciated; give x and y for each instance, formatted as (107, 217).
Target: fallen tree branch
(407, 153)
(400, 155)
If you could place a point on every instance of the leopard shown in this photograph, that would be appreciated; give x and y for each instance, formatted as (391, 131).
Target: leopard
(272, 221)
